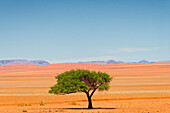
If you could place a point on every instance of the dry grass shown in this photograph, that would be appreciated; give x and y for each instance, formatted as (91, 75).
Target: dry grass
(73, 103)
(42, 103)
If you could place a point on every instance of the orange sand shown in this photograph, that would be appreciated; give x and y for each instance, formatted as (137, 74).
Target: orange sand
(135, 88)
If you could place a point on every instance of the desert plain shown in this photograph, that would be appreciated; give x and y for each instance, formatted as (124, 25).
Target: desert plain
(135, 88)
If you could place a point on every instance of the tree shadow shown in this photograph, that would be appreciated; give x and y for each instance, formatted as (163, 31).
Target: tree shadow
(86, 108)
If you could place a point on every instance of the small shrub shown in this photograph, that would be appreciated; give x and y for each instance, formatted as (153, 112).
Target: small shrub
(20, 104)
(74, 103)
(24, 104)
(28, 104)
(42, 103)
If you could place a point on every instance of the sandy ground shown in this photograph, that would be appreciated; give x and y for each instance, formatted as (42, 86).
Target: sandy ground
(135, 88)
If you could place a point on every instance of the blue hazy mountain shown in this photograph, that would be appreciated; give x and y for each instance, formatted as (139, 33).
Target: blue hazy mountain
(22, 61)
(113, 62)
(103, 62)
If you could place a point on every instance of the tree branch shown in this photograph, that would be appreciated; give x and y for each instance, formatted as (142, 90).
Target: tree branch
(87, 93)
(93, 92)
(89, 90)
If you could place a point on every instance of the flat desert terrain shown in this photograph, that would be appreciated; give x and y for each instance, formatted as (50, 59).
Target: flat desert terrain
(135, 88)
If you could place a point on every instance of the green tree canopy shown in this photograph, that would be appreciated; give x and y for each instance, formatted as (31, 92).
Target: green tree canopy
(81, 81)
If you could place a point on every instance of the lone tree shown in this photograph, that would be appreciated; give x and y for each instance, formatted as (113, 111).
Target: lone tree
(81, 81)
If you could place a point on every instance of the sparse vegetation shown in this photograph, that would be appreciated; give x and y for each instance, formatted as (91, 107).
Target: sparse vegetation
(20, 104)
(73, 103)
(27, 104)
(42, 103)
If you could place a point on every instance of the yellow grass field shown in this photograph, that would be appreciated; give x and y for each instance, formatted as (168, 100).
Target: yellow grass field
(135, 88)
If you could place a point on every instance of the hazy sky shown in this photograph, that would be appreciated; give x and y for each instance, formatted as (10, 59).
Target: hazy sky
(84, 30)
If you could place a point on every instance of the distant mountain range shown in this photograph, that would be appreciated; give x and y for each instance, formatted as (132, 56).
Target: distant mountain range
(117, 62)
(22, 61)
(103, 62)
(42, 62)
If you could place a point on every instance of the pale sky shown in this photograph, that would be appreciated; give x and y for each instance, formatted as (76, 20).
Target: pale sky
(85, 30)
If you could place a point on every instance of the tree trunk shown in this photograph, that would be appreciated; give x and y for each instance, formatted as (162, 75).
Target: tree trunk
(90, 103)
(89, 100)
